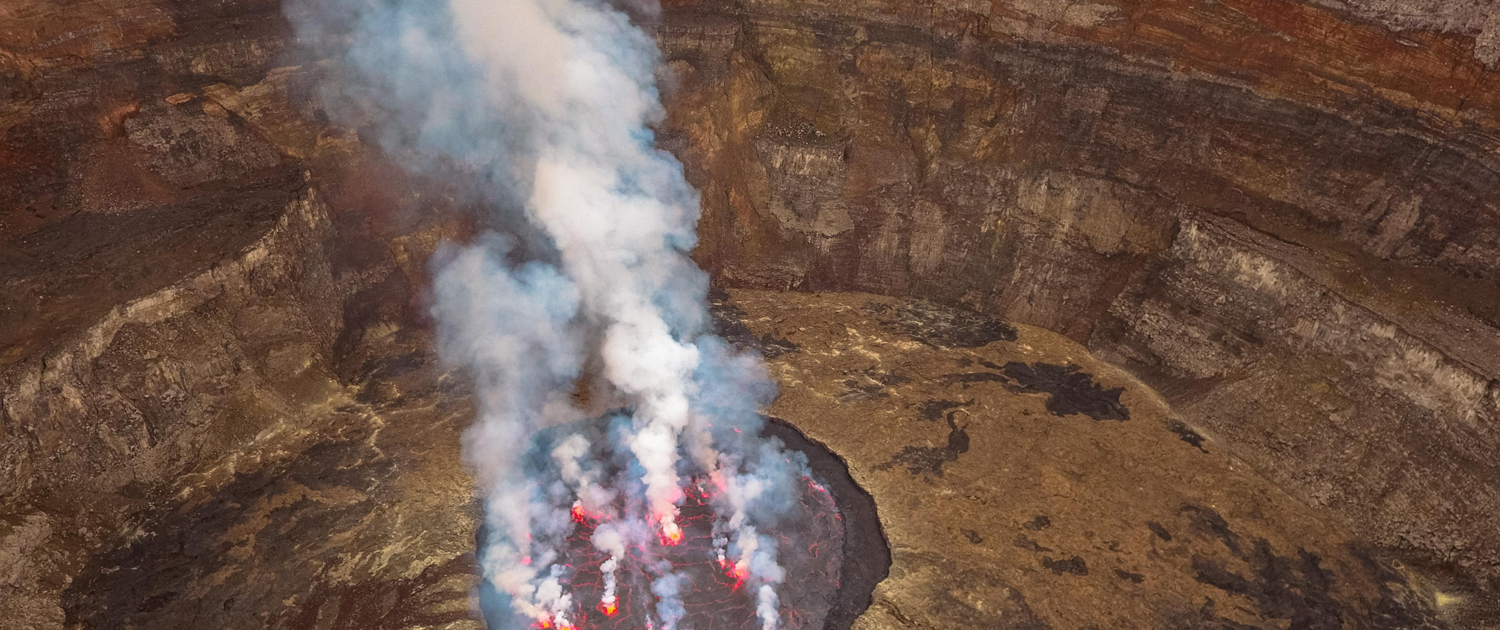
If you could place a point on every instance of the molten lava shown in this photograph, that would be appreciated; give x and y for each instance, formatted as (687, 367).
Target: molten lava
(738, 574)
(671, 535)
(810, 541)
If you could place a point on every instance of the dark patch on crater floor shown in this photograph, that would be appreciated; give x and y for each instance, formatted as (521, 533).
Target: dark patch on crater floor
(729, 323)
(1069, 390)
(1022, 542)
(868, 384)
(978, 377)
(943, 327)
(930, 459)
(1282, 587)
(1187, 434)
(1074, 565)
(1294, 587)
(1208, 523)
(933, 410)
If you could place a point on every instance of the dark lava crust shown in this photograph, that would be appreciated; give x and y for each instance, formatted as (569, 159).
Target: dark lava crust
(867, 554)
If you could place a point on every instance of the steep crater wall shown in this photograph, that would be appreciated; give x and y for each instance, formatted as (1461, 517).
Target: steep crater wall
(1278, 217)
(1281, 216)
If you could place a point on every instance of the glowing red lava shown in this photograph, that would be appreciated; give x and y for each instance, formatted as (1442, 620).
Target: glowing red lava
(671, 537)
(810, 549)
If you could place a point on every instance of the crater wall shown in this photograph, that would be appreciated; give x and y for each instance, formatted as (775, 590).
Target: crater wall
(1281, 216)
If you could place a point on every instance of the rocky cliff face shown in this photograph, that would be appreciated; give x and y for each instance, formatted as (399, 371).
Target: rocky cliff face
(184, 309)
(1280, 215)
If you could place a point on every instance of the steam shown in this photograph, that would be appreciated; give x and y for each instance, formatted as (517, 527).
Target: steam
(547, 105)
(669, 609)
(607, 539)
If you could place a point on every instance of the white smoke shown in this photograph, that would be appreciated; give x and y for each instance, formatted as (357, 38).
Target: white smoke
(548, 105)
(519, 369)
(575, 466)
(668, 589)
(607, 539)
(768, 607)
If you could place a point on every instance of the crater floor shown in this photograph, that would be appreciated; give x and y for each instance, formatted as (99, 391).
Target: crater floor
(1020, 483)
(1024, 484)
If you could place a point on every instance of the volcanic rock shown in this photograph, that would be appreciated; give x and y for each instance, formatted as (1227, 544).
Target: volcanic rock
(1264, 231)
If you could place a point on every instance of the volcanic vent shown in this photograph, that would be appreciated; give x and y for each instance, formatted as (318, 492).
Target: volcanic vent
(713, 594)
(675, 507)
(827, 520)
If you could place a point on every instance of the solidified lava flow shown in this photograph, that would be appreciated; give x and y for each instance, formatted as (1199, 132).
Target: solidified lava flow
(810, 547)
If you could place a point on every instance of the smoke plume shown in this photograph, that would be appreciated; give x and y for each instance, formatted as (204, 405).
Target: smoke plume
(547, 107)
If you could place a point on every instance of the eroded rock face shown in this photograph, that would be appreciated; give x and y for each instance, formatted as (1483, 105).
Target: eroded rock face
(182, 305)
(264, 443)
(1280, 216)
(365, 520)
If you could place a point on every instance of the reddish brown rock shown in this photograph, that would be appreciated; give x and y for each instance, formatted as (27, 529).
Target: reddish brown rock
(1229, 198)
(1280, 215)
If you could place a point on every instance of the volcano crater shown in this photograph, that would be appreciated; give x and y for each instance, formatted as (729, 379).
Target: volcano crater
(830, 545)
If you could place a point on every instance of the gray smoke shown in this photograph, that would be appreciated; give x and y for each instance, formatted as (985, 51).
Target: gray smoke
(547, 107)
